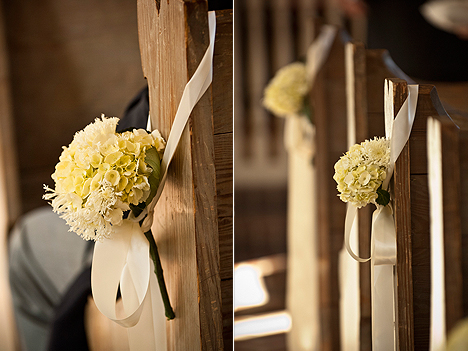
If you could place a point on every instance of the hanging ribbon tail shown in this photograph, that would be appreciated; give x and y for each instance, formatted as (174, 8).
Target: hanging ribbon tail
(152, 321)
(383, 260)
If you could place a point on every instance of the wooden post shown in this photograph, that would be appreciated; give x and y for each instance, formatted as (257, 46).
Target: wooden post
(366, 74)
(193, 219)
(328, 101)
(411, 209)
(448, 198)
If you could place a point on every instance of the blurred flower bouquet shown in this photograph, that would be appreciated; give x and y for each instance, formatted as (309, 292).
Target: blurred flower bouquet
(102, 176)
(285, 93)
(361, 172)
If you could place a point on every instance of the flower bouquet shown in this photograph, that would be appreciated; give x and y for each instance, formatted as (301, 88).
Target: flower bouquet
(360, 173)
(285, 93)
(103, 178)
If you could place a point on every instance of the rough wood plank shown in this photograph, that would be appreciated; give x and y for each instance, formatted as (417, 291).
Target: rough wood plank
(224, 192)
(451, 179)
(358, 130)
(395, 95)
(174, 227)
(223, 74)
(453, 147)
(227, 288)
(186, 222)
(328, 98)
(463, 146)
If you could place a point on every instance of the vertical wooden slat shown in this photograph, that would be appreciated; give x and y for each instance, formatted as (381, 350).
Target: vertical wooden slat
(256, 117)
(328, 100)
(306, 18)
(223, 155)
(463, 146)
(370, 69)
(451, 221)
(172, 42)
(395, 95)
(357, 97)
(282, 53)
(453, 133)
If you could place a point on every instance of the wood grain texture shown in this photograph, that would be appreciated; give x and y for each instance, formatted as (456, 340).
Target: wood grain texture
(222, 88)
(451, 179)
(172, 43)
(358, 94)
(395, 94)
(328, 99)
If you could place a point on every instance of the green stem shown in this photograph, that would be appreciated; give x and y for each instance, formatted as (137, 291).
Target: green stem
(159, 274)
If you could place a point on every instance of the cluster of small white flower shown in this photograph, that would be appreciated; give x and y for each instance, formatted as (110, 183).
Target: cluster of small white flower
(100, 174)
(285, 93)
(362, 170)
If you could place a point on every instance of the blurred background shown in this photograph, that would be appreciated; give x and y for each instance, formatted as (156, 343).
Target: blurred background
(270, 34)
(62, 64)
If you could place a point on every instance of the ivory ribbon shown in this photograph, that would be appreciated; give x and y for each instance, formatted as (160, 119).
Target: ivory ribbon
(383, 241)
(299, 141)
(124, 259)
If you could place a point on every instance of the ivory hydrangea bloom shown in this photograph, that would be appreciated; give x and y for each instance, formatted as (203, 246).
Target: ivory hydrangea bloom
(100, 174)
(361, 171)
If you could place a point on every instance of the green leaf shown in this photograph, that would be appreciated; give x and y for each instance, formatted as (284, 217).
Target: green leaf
(153, 160)
(308, 110)
(383, 196)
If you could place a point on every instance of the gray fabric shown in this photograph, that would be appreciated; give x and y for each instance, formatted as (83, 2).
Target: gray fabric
(44, 260)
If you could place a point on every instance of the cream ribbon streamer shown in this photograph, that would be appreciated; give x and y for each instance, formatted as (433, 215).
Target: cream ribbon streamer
(124, 260)
(299, 141)
(383, 241)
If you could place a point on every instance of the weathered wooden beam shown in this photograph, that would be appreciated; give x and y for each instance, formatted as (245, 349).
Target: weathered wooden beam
(194, 241)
